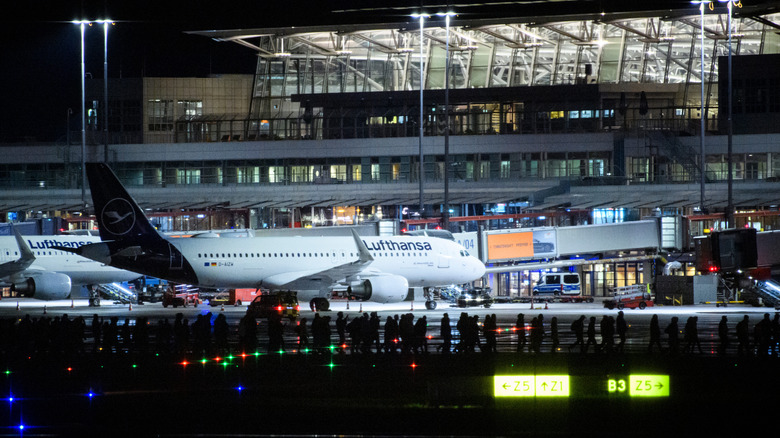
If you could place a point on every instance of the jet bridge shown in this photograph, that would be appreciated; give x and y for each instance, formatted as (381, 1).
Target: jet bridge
(561, 244)
(573, 248)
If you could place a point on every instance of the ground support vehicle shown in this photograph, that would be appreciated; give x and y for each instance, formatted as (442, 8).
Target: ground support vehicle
(550, 298)
(630, 297)
(233, 297)
(466, 296)
(284, 304)
(474, 300)
(574, 299)
(181, 295)
(558, 286)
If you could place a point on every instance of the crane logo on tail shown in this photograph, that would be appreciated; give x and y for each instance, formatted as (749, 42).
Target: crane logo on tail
(118, 216)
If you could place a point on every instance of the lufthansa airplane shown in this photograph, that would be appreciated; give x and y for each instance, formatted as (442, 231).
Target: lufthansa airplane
(380, 269)
(33, 268)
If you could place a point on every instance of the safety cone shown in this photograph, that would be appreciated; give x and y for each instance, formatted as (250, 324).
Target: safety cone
(223, 308)
(545, 306)
(131, 306)
(412, 308)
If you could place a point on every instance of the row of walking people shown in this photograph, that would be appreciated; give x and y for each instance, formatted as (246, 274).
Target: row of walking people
(367, 333)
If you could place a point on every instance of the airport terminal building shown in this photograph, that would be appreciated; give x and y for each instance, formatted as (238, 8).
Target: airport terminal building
(536, 121)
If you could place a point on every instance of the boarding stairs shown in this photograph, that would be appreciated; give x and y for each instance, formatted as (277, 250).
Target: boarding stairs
(117, 293)
(768, 291)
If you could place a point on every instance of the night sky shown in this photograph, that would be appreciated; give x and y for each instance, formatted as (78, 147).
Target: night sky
(41, 51)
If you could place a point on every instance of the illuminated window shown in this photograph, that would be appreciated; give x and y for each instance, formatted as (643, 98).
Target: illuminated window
(190, 108)
(276, 174)
(160, 115)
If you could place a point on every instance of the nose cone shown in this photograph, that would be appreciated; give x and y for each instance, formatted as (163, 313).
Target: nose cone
(478, 267)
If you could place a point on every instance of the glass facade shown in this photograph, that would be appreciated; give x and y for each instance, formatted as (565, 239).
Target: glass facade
(489, 54)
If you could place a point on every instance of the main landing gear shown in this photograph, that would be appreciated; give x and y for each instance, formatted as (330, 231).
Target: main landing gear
(430, 304)
(317, 304)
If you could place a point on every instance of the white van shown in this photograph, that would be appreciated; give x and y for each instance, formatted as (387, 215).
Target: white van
(558, 283)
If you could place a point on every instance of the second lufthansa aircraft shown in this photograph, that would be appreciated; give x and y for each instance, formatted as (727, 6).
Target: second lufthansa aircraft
(380, 269)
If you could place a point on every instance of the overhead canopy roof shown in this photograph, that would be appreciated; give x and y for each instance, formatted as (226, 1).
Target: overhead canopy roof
(277, 196)
(748, 195)
(666, 195)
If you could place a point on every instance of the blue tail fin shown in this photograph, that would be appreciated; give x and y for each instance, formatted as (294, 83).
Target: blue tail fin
(129, 239)
(119, 216)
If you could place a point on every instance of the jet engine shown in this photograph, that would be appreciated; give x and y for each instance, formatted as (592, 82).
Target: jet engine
(380, 289)
(44, 286)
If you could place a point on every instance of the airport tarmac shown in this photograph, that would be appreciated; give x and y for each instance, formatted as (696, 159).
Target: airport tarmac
(390, 395)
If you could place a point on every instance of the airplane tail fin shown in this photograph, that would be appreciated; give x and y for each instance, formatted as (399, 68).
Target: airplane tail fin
(119, 217)
(129, 239)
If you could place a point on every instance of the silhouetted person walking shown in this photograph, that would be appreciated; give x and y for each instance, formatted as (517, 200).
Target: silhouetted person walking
(723, 335)
(763, 333)
(655, 334)
(520, 329)
(303, 336)
(621, 328)
(673, 332)
(607, 334)
(591, 335)
(578, 327)
(446, 334)
(341, 329)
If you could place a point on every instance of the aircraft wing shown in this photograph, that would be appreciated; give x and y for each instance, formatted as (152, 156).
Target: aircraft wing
(320, 280)
(26, 259)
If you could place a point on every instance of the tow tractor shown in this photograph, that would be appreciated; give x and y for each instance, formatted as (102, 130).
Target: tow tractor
(181, 295)
(631, 297)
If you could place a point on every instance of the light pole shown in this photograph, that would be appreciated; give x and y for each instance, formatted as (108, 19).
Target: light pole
(105, 89)
(421, 16)
(703, 117)
(82, 25)
(446, 212)
(730, 131)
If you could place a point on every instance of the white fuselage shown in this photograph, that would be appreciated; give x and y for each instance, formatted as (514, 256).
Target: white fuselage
(82, 271)
(274, 262)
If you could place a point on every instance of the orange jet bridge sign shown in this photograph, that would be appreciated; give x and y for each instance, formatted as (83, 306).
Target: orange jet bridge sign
(510, 246)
